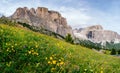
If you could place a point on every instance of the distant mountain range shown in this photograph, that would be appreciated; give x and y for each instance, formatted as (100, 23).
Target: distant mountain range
(97, 34)
(42, 18)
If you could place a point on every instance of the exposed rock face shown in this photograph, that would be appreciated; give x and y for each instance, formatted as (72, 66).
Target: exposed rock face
(43, 18)
(97, 34)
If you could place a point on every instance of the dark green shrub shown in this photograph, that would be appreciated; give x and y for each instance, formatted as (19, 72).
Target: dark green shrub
(113, 52)
(68, 38)
(119, 52)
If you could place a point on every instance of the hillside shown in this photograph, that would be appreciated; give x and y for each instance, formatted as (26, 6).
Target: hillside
(25, 51)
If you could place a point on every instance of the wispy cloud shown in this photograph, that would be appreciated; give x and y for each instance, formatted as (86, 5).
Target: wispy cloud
(75, 16)
(7, 7)
(75, 12)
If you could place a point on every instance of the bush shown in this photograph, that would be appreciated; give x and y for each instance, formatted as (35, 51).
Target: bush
(119, 52)
(113, 52)
(68, 38)
(5, 20)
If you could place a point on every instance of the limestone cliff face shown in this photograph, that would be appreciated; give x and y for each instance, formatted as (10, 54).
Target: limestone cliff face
(43, 18)
(97, 34)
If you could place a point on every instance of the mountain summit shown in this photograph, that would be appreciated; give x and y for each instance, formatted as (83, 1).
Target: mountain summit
(97, 34)
(42, 18)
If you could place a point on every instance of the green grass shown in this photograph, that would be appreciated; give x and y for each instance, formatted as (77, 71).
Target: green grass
(25, 51)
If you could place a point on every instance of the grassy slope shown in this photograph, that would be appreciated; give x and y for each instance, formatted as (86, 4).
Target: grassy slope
(22, 50)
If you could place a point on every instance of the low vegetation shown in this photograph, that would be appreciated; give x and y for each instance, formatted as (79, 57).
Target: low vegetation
(4, 20)
(89, 44)
(69, 39)
(109, 48)
(113, 52)
(41, 30)
(25, 51)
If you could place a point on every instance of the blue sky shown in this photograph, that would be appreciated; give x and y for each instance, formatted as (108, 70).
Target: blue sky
(79, 13)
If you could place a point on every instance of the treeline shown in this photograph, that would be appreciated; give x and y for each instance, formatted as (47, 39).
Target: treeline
(89, 44)
(111, 45)
(114, 48)
(41, 30)
(5, 20)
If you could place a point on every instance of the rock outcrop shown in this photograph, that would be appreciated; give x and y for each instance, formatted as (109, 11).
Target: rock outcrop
(43, 19)
(97, 34)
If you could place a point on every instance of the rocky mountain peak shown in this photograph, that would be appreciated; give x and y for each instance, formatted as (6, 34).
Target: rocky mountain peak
(43, 18)
(41, 12)
(95, 27)
(26, 8)
(97, 34)
(32, 10)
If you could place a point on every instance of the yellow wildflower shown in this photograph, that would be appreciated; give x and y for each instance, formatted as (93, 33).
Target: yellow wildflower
(91, 70)
(59, 59)
(36, 46)
(101, 71)
(29, 52)
(101, 68)
(52, 69)
(51, 58)
(12, 46)
(35, 53)
(16, 44)
(54, 61)
(32, 50)
(49, 62)
(61, 63)
(8, 49)
(85, 69)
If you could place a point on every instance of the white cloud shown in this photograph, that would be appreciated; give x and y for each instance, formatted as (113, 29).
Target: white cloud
(8, 7)
(75, 16)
